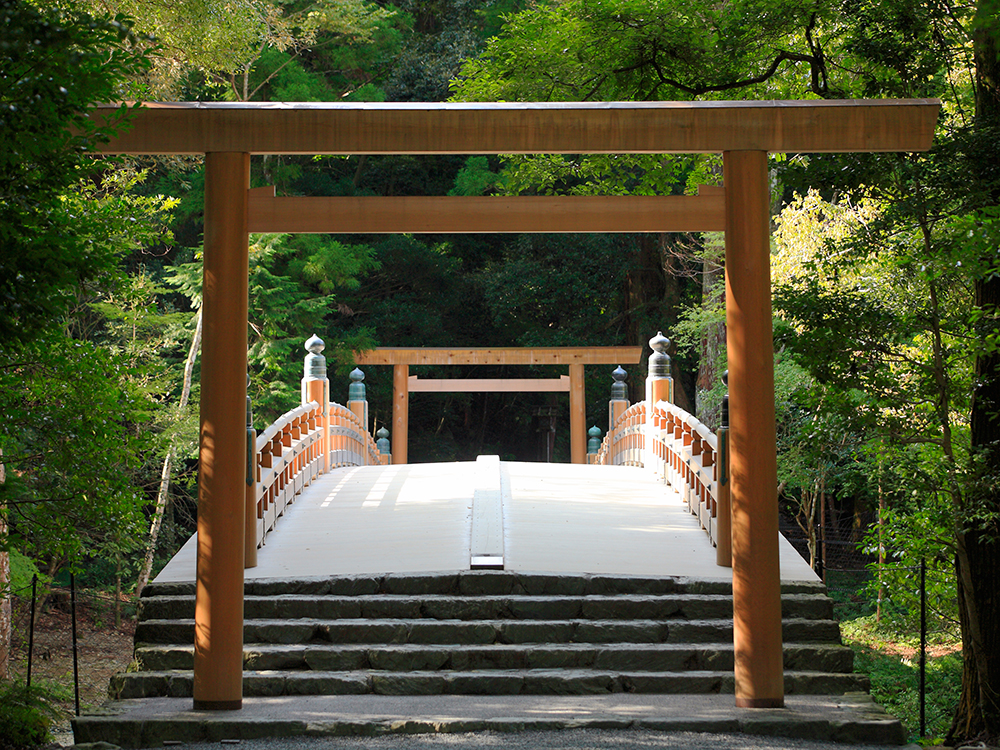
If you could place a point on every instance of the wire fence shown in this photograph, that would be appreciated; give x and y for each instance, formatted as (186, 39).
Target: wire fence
(66, 641)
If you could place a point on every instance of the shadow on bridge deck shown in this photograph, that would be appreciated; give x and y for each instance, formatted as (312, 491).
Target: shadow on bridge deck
(559, 518)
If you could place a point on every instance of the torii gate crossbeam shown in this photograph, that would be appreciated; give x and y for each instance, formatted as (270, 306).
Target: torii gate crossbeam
(744, 132)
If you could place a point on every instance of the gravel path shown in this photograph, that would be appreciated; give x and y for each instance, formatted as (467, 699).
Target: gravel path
(573, 739)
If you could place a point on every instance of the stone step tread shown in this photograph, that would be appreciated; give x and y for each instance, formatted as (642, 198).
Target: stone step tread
(480, 582)
(484, 631)
(645, 657)
(178, 683)
(404, 647)
(522, 607)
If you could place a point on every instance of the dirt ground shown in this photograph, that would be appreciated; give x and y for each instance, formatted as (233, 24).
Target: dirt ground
(102, 649)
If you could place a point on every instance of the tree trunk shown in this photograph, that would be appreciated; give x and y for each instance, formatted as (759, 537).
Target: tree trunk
(163, 495)
(5, 609)
(978, 550)
(711, 363)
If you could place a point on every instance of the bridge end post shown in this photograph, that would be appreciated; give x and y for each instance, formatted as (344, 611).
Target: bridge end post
(593, 444)
(618, 403)
(316, 387)
(659, 387)
(357, 402)
(384, 447)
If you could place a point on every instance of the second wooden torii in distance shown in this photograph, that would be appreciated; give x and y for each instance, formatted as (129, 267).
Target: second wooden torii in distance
(574, 357)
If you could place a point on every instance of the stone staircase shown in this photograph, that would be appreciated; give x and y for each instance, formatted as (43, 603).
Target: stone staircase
(486, 633)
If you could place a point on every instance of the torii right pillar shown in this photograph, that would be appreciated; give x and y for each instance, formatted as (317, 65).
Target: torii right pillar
(753, 463)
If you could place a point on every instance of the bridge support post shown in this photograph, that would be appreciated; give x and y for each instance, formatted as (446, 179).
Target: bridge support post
(218, 632)
(400, 411)
(577, 415)
(357, 402)
(753, 462)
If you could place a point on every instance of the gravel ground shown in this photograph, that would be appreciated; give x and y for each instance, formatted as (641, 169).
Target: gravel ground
(573, 739)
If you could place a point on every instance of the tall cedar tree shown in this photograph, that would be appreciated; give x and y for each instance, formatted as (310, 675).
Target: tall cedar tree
(978, 557)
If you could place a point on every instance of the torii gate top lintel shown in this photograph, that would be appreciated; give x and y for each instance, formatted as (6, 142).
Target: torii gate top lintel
(806, 126)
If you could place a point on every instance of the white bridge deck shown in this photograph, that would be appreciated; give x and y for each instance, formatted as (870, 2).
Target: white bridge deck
(554, 518)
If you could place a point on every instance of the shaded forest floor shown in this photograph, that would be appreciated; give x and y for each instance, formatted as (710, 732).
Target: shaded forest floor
(102, 650)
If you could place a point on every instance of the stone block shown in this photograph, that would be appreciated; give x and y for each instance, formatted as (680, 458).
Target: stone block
(336, 659)
(384, 607)
(412, 683)
(420, 584)
(608, 631)
(487, 683)
(407, 659)
(486, 583)
(537, 632)
(545, 608)
(327, 683)
(568, 682)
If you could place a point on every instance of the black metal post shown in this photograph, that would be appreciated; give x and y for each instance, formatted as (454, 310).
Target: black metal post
(31, 628)
(923, 646)
(76, 671)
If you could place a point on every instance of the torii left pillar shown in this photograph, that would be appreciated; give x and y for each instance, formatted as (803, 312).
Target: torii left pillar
(218, 633)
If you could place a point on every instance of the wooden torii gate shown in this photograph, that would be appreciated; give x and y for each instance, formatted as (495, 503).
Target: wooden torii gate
(744, 132)
(403, 384)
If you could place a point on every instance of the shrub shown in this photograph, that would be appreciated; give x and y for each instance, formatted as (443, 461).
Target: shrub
(25, 716)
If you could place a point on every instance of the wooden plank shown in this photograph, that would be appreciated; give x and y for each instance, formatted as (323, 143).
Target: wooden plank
(486, 215)
(524, 127)
(554, 355)
(489, 385)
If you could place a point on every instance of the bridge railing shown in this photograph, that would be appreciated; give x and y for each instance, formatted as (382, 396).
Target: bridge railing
(351, 444)
(303, 443)
(681, 450)
(625, 443)
(289, 455)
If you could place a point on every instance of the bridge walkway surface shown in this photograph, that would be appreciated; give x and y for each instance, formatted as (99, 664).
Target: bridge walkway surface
(556, 518)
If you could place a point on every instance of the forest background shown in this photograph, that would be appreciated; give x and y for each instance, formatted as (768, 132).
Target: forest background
(885, 267)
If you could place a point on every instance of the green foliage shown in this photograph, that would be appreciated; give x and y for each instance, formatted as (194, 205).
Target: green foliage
(71, 446)
(555, 291)
(22, 570)
(54, 66)
(607, 50)
(25, 716)
(895, 678)
(475, 178)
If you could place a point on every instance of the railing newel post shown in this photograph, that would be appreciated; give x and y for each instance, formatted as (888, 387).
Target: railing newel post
(357, 402)
(316, 387)
(593, 444)
(659, 387)
(384, 446)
